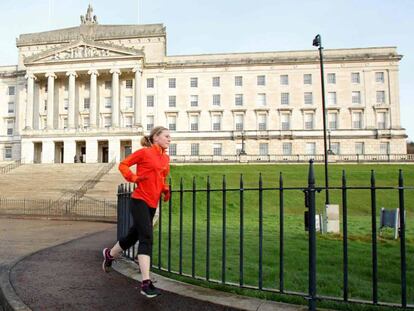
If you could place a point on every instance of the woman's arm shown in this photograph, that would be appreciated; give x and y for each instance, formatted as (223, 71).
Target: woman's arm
(132, 159)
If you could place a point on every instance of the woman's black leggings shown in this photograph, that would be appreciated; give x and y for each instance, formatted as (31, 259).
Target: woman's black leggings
(141, 230)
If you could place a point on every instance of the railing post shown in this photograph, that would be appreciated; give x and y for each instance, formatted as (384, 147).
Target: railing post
(169, 225)
(374, 240)
(208, 231)
(241, 277)
(193, 250)
(281, 234)
(345, 235)
(312, 238)
(223, 258)
(402, 241)
(180, 269)
(260, 232)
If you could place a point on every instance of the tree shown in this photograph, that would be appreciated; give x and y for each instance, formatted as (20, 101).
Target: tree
(410, 147)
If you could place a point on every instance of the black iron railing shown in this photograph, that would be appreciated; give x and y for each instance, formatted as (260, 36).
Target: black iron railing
(10, 166)
(211, 230)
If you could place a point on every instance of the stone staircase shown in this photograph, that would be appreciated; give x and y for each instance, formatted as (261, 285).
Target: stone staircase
(45, 181)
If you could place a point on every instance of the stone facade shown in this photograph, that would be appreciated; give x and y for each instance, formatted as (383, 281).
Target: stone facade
(88, 93)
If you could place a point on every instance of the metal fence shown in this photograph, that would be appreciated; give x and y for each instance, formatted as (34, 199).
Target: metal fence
(294, 158)
(223, 243)
(10, 166)
(84, 208)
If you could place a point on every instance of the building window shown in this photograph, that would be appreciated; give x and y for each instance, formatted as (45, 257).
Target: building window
(11, 90)
(287, 148)
(238, 99)
(172, 123)
(308, 121)
(359, 148)
(128, 84)
(357, 120)
(128, 121)
(379, 77)
(150, 100)
(108, 102)
(128, 102)
(107, 122)
(10, 108)
(261, 99)
(216, 81)
(217, 149)
(285, 118)
(333, 120)
(7, 153)
(262, 122)
(150, 123)
(307, 78)
(239, 122)
(86, 103)
(46, 87)
(45, 105)
(284, 80)
(331, 78)
(238, 81)
(331, 98)
(310, 148)
(194, 122)
(194, 100)
(263, 149)
(65, 122)
(195, 149)
(216, 100)
(108, 85)
(356, 97)
(87, 86)
(216, 120)
(10, 127)
(261, 80)
(193, 82)
(380, 97)
(284, 98)
(150, 83)
(86, 122)
(381, 120)
(308, 98)
(385, 148)
(172, 149)
(172, 101)
(65, 87)
(238, 148)
(65, 104)
(355, 77)
(172, 83)
(335, 148)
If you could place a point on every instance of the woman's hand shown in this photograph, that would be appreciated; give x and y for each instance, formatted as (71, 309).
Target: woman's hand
(167, 194)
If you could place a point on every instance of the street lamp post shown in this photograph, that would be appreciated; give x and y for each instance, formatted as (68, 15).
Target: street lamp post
(318, 43)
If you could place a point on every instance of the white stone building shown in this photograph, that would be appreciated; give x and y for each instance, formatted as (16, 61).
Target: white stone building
(91, 91)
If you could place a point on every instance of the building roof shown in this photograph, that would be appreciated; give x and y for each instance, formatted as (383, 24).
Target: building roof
(91, 32)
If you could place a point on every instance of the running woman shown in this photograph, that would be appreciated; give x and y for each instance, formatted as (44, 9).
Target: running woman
(152, 168)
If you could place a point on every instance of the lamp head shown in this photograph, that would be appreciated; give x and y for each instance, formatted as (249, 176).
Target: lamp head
(317, 41)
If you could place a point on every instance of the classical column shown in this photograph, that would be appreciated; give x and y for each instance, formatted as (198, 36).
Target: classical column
(71, 107)
(92, 99)
(115, 96)
(137, 101)
(29, 100)
(50, 92)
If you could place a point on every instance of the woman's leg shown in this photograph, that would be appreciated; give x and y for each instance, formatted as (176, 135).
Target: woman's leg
(125, 242)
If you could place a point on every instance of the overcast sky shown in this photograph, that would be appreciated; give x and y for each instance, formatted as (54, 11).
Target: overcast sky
(213, 26)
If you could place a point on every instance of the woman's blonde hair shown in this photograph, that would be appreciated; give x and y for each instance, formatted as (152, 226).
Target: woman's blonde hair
(148, 140)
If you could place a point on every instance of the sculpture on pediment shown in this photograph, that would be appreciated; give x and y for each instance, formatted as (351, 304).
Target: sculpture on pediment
(89, 18)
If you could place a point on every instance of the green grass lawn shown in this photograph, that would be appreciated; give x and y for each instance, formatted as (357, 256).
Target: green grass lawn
(329, 247)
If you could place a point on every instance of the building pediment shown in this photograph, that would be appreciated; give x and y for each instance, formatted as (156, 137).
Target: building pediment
(83, 50)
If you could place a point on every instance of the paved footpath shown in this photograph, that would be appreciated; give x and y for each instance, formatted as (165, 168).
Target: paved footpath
(38, 272)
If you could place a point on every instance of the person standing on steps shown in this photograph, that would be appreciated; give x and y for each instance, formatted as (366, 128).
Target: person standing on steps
(152, 168)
